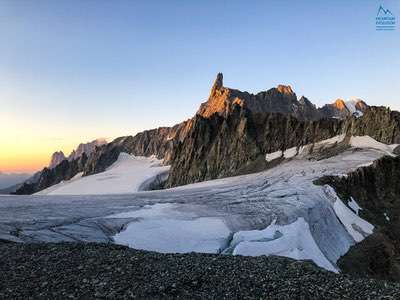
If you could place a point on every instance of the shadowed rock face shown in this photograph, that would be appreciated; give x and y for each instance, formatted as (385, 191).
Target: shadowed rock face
(376, 189)
(379, 123)
(236, 143)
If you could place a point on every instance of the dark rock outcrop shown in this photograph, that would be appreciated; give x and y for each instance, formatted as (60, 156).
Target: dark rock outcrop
(380, 123)
(376, 189)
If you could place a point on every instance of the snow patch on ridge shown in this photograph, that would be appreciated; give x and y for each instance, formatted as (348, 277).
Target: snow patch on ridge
(351, 106)
(127, 175)
(305, 149)
(370, 143)
(364, 142)
(273, 155)
(354, 205)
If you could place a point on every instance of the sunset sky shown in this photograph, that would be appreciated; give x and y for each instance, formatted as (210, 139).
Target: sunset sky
(73, 71)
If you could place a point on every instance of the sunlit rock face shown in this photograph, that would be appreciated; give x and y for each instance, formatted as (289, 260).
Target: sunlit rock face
(236, 143)
(281, 99)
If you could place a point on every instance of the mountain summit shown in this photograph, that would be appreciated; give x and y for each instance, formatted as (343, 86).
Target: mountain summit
(341, 109)
(281, 99)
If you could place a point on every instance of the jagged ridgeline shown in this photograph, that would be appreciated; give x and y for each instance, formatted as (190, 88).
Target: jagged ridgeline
(230, 135)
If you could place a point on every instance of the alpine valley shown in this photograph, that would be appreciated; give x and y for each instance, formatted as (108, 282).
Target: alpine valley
(249, 174)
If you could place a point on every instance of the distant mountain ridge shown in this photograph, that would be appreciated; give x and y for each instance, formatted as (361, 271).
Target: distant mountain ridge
(9, 179)
(281, 99)
(230, 133)
(87, 148)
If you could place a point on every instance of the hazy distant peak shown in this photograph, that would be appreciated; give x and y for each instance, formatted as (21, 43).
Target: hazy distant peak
(86, 148)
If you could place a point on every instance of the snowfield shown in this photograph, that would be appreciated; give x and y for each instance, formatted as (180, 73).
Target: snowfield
(279, 211)
(163, 229)
(127, 175)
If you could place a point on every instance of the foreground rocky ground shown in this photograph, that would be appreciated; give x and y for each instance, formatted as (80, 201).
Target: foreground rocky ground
(78, 270)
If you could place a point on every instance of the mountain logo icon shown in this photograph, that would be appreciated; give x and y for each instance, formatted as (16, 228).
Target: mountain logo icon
(382, 11)
(385, 19)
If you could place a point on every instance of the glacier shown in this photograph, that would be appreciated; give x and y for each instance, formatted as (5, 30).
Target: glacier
(279, 211)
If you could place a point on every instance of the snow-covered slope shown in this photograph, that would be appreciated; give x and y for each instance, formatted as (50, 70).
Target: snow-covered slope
(165, 229)
(127, 175)
(368, 142)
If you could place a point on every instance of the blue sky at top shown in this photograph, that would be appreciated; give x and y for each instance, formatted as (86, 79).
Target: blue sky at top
(77, 70)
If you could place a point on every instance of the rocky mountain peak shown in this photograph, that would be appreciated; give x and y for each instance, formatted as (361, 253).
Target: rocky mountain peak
(218, 84)
(360, 105)
(285, 89)
(343, 109)
(340, 104)
(219, 81)
(56, 158)
(305, 101)
(86, 148)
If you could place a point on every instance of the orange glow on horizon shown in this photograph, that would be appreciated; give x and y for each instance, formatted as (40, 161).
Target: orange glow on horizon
(26, 144)
(24, 160)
